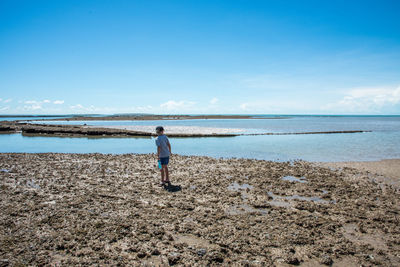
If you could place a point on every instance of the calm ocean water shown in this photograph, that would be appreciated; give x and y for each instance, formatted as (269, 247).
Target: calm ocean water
(382, 143)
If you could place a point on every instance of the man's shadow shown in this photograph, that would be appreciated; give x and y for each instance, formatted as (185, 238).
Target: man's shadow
(172, 188)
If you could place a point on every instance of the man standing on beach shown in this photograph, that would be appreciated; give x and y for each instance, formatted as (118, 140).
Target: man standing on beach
(163, 153)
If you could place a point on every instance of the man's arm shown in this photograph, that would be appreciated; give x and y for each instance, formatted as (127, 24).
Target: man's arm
(169, 147)
(158, 151)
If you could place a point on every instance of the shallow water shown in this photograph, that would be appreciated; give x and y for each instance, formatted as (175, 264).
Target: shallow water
(382, 143)
(294, 179)
(337, 147)
(287, 124)
(237, 187)
(243, 209)
(279, 200)
(31, 118)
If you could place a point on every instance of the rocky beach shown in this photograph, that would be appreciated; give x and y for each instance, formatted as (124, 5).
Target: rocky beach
(103, 209)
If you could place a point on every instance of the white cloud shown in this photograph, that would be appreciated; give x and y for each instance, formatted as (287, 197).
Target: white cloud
(214, 101)
(273, 106)
(45, 101)
(1, 99)
(77, 106)
(32, 106)
(256, 107)
(373, 99)
(142, 109)
(36, 107)
(244, 106)
(8, 100)
(177, 105)
(4, 108)
(91, 108)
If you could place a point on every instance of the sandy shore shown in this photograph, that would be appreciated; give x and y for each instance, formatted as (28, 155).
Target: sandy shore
(388, 167)
(387, 170)
(98, 209)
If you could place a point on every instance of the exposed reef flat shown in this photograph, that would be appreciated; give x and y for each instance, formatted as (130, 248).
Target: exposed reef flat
(127, 131)
(99, 209)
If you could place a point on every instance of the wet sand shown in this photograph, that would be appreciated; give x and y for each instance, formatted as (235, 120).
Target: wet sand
(99, 209)
(389, 168)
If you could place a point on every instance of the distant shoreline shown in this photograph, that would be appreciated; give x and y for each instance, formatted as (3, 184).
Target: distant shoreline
(156, 117)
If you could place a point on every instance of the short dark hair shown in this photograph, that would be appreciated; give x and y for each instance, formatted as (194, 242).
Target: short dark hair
(159, 129)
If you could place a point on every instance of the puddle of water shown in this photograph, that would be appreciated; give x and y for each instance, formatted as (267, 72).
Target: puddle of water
(242, 188)
(294, 179)
(242, 209)
(32, 184)
(352, 233)
(315, 199)
(277, 200)
(4, 170)
(236, 187)
(278, 203)
(193, 241)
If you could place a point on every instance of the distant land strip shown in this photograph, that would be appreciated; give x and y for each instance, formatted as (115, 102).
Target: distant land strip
(154, 117)
(78, 130)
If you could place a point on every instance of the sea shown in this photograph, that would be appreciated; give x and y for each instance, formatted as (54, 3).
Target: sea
(380, 139)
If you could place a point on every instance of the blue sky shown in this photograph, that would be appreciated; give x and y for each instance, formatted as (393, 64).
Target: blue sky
(229, 57)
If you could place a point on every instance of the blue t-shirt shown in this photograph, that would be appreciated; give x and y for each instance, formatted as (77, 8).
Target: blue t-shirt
(162, 142)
